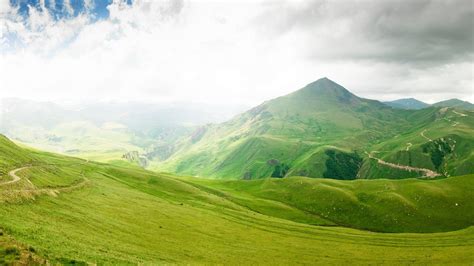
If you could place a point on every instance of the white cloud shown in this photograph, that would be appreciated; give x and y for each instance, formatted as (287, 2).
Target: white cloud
(193, 51)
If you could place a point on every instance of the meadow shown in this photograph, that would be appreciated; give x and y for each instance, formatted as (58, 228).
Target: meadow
(127, 215)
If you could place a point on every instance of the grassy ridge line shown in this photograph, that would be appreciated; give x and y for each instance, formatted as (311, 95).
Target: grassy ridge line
(269, 207)
(376, 205)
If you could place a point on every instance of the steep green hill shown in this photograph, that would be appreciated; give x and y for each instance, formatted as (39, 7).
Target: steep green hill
(321, 130)
(70, 211)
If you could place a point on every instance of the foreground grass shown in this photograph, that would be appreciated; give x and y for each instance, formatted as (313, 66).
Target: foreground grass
(132, 216)
(129, 216)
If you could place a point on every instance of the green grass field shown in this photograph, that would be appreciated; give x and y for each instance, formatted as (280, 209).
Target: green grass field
(75, 211)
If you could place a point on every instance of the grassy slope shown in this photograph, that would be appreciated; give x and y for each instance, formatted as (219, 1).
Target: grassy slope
(410, 205)
(128, 215)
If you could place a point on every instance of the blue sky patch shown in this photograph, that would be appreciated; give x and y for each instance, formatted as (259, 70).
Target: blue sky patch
(59, 10)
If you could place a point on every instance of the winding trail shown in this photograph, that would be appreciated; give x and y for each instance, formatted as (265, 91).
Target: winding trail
(423, 135)
(13, 175)
(426, 172)
(34, 189)
(409, 145)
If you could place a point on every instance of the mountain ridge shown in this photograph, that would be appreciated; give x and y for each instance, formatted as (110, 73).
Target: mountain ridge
(407, 103)
(307, 132)
(414, 104)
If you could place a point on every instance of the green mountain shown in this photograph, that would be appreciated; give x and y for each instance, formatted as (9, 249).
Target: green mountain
(323, 130)
(109, 214)
(455, 103)
(408, 103)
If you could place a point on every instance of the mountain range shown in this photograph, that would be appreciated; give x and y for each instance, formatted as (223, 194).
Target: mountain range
(321, 130)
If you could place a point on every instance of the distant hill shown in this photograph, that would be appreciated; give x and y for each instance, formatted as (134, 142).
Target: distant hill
(455, 103)
(414, 104)
(323, 130)
(407, 103)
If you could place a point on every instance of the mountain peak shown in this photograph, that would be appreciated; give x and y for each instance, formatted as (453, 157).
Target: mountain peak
(323, 80)
(325, 89)
(455, 103)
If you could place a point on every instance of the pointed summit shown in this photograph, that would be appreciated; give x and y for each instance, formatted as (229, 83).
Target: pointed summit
(325, 89)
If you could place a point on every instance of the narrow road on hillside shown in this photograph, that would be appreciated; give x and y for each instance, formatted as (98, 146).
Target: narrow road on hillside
(34, 189)
(13, 175)
(426, 172)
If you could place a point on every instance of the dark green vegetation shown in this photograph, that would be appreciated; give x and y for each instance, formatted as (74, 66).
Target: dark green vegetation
(68, 210)
(438, 150)
(316, 132)
(408, 103)
(342, 165)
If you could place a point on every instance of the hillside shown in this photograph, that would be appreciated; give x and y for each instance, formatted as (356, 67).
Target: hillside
(409, 205)
(118, 215)
(408, 103)
(321, 130)
(464, 105)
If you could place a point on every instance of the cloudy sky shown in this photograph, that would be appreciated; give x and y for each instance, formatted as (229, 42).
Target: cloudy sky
(236, 52)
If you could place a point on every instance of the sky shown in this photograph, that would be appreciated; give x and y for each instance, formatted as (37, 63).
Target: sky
(234, 52)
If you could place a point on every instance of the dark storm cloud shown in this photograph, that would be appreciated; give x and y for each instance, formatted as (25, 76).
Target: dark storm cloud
(413, 32)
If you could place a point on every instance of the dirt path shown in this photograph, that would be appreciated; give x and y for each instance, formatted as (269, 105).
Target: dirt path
(426, 172)
(13, 175)
(34, 190)
(423, 135)
(409, 145)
